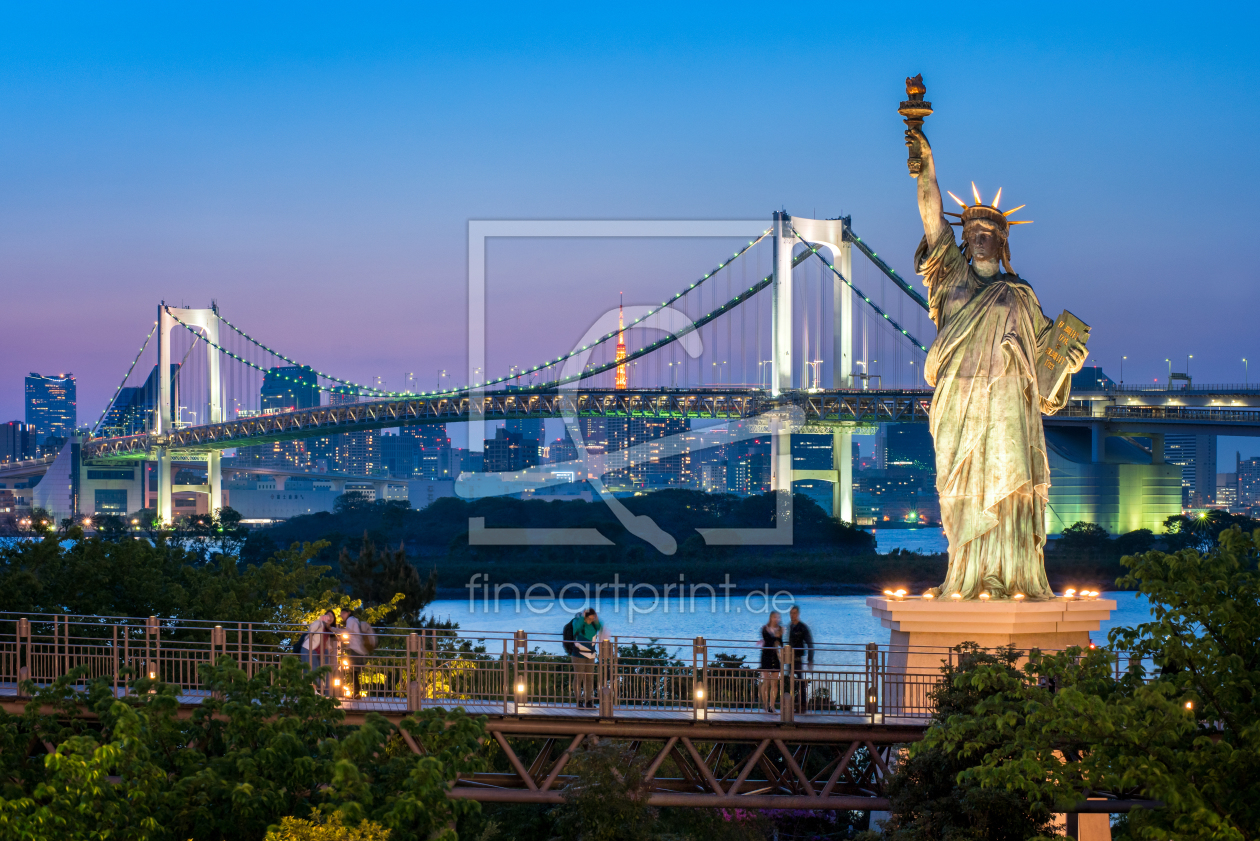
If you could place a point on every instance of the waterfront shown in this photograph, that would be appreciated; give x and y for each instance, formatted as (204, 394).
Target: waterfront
(925, 541)
(832, 619)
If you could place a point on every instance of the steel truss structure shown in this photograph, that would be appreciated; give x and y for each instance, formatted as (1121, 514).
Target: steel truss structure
(770, 766)
(697, 404)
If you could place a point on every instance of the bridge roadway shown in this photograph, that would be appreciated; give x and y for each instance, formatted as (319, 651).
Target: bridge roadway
(1201, 411)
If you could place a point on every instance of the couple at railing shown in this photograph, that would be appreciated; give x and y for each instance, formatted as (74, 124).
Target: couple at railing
(777, 642)
(319, 645)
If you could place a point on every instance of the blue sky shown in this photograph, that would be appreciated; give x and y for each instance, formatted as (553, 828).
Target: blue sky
(313, 168)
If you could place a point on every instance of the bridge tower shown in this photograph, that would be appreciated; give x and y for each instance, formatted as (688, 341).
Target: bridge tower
(168, 413)
(833, 234)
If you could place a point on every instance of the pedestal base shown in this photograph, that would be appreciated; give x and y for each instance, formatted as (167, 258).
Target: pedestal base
(922, 630)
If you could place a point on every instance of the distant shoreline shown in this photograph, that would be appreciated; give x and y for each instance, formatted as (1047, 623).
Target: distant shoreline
(814, 574)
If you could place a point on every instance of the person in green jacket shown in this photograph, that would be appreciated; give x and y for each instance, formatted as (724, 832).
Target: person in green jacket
(586, 627)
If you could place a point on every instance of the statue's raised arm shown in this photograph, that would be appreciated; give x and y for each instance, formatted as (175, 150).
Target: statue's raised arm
(930, 208)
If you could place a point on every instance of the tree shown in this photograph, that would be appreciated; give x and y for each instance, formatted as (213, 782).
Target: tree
(1085, 538)
(607, 799)
(326, 828)
(261, 748)
(351, 501)
(377, 577)
(1185, 733)
(95, 576)
(928, 798)
(1137, 542)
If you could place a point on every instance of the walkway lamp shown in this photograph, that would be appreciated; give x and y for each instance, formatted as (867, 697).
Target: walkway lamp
(1246, 373)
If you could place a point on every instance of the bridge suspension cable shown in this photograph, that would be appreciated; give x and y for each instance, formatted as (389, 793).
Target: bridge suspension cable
(524, 371)
(889, 271)
(96, 426)
(814, 250)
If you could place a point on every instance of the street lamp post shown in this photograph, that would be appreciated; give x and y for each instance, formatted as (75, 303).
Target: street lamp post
(1169, 361)
(1246, 374)
(1122, 369)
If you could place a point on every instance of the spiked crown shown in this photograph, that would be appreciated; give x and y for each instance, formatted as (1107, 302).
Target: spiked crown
(987, 212)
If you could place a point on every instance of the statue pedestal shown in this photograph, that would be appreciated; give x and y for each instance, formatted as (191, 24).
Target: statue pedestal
(923, 629)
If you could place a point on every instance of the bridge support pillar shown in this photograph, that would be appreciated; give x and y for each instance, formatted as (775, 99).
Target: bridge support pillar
(842, 487)
(165, 507)
(781, 310)
(1157, 448)
(214, 478)
(1097, 443)
(780, 459)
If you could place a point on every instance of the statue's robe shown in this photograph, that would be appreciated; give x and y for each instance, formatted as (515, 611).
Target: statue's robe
(992, 473)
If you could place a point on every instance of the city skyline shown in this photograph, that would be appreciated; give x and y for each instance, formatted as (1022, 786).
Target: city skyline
(276, 170)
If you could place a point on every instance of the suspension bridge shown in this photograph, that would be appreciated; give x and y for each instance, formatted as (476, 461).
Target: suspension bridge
(813, 345)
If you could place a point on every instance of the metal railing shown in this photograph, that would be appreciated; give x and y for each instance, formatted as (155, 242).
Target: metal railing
(516, 674)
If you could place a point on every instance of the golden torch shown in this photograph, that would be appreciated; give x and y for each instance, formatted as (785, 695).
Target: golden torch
(914, 110)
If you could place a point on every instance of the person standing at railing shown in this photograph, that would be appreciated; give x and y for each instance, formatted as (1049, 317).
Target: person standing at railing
(585, 629)
(771, 668)
(802, 641)
(318, 640)
(355, 637)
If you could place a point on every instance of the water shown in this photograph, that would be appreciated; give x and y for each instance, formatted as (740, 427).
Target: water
(833, 619)
(926, 541)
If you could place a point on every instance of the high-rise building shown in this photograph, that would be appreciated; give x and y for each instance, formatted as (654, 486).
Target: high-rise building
(533, 435)
(51, 405)
(284, 389)
(1248, 482)
(909, 445)
(400, 454)
(467, 461)
(503, 452)
(132, 410)
(811, 452)
(660, 465)
(1196, 455)
(357, 453)
(17, 442)
(433, 459)
(563, 449)
(750, 473)
(594, 432)
(1227, 489)
(294, 387)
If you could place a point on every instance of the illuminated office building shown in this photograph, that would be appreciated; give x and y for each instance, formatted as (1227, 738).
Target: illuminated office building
(51, 405)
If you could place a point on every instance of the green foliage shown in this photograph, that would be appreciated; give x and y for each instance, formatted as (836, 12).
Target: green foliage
(607, 799)
(137, 577)
(931, 796)
(1187, 734)
(374, 577)
(1202, 530)
(1085, 537)
(261, 748)
(330, 828)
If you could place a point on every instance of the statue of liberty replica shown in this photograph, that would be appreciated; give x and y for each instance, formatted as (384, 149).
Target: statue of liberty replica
(998, 363)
